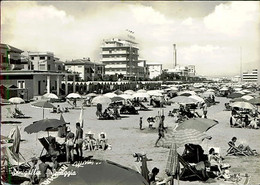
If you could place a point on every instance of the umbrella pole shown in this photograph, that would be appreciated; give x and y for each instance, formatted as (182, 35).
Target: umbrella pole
(43, 113)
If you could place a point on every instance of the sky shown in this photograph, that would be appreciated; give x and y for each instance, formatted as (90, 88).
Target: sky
(217, 37)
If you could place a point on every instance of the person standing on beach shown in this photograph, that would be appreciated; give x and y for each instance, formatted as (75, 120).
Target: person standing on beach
(79, 140)
(160, 134)
(70, 146)
(141, 123)
(205, 110)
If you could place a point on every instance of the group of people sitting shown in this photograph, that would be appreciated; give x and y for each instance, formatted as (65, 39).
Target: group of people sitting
(109, 112)
(58, 109)
(238, 120)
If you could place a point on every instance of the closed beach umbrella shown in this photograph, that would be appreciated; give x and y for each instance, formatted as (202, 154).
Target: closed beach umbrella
(242, 105)
(73, 96)
(50, 96)
(43, 125)
(16, 100)
(43, 105)
(99, 172)
(16, 141)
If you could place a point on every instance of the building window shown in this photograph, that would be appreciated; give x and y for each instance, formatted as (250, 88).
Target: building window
(49, 67)
(21, 84)
(49, 58)
(32, 58)
(42, 58)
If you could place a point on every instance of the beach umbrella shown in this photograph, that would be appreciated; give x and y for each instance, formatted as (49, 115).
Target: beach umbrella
(126, 96)
(186, 93)
(174, 88)
(43, 105)
(199, 99)
(131, 92)
(16, 100)
(242, 105)
(247, 97)
(238, 99)
(255, 101)
(43, 125)
(110, 95)
(224, 89)
(91, 95)
(141, 95)
(154, 93)
(50, 96)
(200, 124)
(173, 160)
(98, 172)
(73, 96)
(81, 121)
(235, 95)
(210, 90)
(103, 100)
(246, 91)
(184, 99)
(141, 91)
(117, 98)
(118, 92)
(16, 141)
(182, 137)
(208, 94)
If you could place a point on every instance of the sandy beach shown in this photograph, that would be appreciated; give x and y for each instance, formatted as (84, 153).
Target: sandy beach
(126, 138)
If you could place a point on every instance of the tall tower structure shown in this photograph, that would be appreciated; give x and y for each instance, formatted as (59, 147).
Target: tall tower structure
(174, 56)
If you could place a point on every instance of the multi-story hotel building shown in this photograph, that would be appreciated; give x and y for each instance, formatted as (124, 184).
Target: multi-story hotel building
(250, 77)
(121, 57)
(42, 61)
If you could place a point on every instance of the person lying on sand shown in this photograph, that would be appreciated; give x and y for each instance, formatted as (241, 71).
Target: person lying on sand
(243, 147)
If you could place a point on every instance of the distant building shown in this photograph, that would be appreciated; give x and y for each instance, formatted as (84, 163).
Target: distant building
(154, 70)
(10, 57)
(86, 69)
(121, 57)
(191, 70)
(42, 61)
(180, 70)
(250, 76)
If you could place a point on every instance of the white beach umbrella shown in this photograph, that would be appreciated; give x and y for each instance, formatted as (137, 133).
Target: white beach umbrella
(141, 91)
(110, 95)
(242, 105)
(247, 97)
(104, 100)
(126, 96)
(50, 96)
(154, 93)
(141, 95)
(73, 95)
(199, 99)
(131, 92)
(208, 94)
(16, 100)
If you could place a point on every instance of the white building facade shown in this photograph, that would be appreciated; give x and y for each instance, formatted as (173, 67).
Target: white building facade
(154, 70)
(120, 57)
(250, 76)
(42, 61)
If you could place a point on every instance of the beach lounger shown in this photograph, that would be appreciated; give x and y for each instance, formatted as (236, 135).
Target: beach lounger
(233, 150)
(143, 107)
(188, 172)
(45, 141)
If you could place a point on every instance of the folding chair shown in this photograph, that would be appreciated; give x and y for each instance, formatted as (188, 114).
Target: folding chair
(188, 171)
(45, 141)
(10, 113)
(233, 150)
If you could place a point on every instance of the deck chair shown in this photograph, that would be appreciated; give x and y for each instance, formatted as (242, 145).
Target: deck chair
(45, 141)
(10, 113)
(143, 107)
(233, 150)
(18, 114)
(188, 172)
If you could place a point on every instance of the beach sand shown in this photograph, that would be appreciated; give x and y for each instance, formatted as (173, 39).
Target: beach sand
(126, 138)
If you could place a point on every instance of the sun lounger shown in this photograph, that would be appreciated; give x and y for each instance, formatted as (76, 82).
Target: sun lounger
(233, 150)
(143, 107)
(46, 141)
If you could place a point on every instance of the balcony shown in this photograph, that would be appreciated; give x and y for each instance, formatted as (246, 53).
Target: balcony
(116, 66)
(114, 59)
(114, 52)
